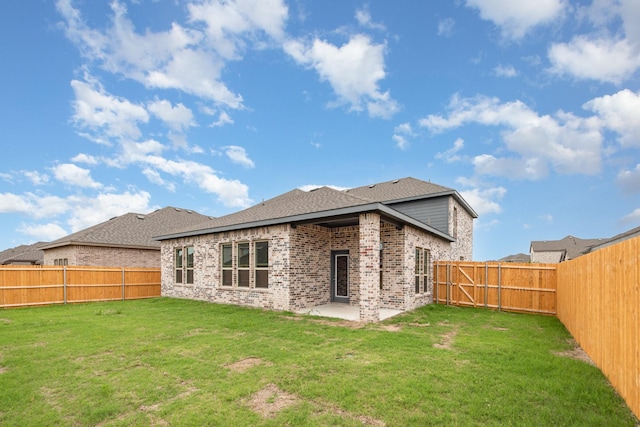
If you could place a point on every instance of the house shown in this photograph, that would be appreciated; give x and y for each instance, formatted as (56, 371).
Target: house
(23, 255)
(554, 251)
(371, 247)
(629, 234)
(516, 258)
(123, 241)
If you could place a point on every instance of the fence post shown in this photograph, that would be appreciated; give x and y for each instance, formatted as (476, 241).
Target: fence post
(436, 283)
(486, 284)
(448, 283)
(123, 292)
(64, 284)
(499, 287)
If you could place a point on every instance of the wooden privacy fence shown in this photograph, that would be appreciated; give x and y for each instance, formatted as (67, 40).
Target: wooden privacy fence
(27, 286)
(599, 303)
(529, 288)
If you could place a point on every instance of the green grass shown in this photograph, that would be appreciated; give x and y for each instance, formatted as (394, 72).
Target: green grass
(177, 362)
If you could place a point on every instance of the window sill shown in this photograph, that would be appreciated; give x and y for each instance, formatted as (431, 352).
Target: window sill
(243, 289)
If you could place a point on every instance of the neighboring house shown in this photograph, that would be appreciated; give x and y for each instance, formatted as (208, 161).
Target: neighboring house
(629, 234)
(516, 258)
(23, 255)
(122, 241)
(371, 246)
(554, 251)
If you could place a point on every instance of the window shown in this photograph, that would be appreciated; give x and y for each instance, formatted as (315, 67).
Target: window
(184, 263)
(227, 264)
(262, 264)
(422, 269)
(250, 269)
(243, 264)
(419, 269)
(61, 261)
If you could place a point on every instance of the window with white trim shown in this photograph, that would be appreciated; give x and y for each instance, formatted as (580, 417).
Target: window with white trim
(245, 264)
(422, 269)
(184, 263)
(226, 251)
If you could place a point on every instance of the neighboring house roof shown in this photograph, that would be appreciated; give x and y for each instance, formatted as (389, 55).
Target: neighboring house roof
(132, 230)
(326, 206)
(572, 247)
(31, 254)
(629, 234)
(516, 258)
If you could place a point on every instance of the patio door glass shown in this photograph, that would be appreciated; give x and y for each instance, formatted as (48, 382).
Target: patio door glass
(341, 278)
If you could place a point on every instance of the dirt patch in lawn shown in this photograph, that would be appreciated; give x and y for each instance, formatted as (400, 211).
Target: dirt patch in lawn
(271, 400)
(5, 321)
(447, 340)
(576, 353)
(244, 364)
(3, 370)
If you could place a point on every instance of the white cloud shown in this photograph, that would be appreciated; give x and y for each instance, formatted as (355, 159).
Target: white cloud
(445, 27)
(88, 211)
(364, 19)
(173, 59)
(451, 155)
(71, 174)
(230, 22)
(239, 156)
(154, 177)
(36, 177)
(85, 158)
(589, 58)
(100, 112)
(37, 206)
(629, 180)
(485, 201)
(631, 218)
(353, 70)
(514, 168)
(516, 18)
(43, 232)
(619, 113)
(176, 117)
(505, 71)
(223, 119)
(401, 134)
(568, 143)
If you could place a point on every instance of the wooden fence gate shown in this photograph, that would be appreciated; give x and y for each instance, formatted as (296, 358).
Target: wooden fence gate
(529, 288)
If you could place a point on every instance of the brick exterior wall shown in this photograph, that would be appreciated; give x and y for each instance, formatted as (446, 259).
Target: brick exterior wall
(100, 256)
(369, 267)
(462, 248)
(310, 262)
(300, 265)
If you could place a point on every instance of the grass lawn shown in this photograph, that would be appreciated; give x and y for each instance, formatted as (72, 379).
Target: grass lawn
(176, 362)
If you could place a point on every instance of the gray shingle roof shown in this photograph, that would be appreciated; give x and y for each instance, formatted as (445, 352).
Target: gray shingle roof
(132, 229)
(23, 254)
(297, 203)
(572, 246)
(629, 234)
(398, 189)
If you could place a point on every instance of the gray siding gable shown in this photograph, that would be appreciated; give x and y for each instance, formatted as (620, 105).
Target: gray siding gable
(433, 212)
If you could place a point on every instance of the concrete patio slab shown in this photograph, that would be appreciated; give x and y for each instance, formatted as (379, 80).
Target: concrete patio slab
(344, 311)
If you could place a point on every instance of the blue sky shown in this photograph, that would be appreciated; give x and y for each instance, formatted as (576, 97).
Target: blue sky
(530, 109)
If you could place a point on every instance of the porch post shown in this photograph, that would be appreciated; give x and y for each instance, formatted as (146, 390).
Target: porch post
(369, 267)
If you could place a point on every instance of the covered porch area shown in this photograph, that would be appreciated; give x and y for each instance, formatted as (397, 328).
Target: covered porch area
(344, 311)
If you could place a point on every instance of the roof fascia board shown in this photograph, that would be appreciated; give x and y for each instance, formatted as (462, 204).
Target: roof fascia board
(98, 245)
(309, 217)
